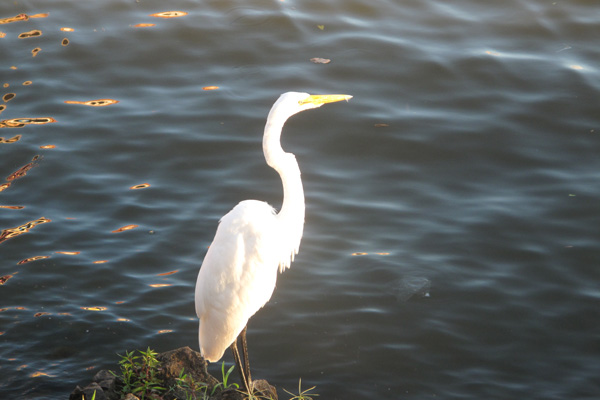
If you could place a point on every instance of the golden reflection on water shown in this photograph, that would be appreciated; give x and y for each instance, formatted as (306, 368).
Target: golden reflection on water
(11, 140)
(94, 103)
(30, 34)
(140, 186)
(21, 172)
(41, 15)
(168, 273)
(169, 14)
(41, 314)
(8, 97)
(30, 259)
(10, 233)
(21, 122)
(365, 254)
(98, 308)
(125, 228)
(38, 374)
(20, 17)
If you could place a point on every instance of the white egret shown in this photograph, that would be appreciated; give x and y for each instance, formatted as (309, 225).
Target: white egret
(252, 243)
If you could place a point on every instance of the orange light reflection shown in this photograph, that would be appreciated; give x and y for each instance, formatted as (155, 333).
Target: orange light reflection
(30, 34)
(94, 308)
(168, 273)
(140, 186)
(125, 228)
(94, 103)
(169, 14)
(10, 233)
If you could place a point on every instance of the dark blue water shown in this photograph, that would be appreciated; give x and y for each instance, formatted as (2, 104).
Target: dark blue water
(451, 240)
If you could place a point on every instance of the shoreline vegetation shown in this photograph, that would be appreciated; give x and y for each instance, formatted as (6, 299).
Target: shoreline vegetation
(179, 374)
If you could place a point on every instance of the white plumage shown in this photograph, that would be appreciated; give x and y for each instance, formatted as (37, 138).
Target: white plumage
(252, 243)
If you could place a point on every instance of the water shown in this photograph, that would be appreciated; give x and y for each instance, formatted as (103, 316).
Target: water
(451, 240)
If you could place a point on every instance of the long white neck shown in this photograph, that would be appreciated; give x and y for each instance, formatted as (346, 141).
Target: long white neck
(291, 215)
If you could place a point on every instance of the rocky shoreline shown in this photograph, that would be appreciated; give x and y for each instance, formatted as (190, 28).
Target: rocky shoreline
(172, 363)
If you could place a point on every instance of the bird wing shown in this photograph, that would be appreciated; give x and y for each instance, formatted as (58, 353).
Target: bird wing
(237, 276)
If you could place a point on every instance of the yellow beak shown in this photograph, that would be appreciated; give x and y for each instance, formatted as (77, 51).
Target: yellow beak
(324, 98)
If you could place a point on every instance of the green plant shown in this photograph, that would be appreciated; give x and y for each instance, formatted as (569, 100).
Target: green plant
(192, 387)
(225, 383)
(93, 396)
(302, 394)
(139, 373)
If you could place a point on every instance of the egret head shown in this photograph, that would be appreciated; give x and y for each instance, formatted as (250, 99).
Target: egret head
(295, 102)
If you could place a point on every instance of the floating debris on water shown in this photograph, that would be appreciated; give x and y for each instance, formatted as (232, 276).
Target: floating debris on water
(412, 286)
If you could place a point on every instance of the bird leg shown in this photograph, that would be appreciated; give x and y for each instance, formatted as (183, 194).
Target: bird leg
(244, 370)
(245, 353)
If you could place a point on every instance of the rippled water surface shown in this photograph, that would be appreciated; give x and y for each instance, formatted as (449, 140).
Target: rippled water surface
(451, 242)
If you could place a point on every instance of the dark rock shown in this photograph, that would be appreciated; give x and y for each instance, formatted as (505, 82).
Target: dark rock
(110, 384)
(88, 392)
(103, 375)
(186, 360)
(264, 389)
(76, 393)
(172, 363)
(229, 394)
